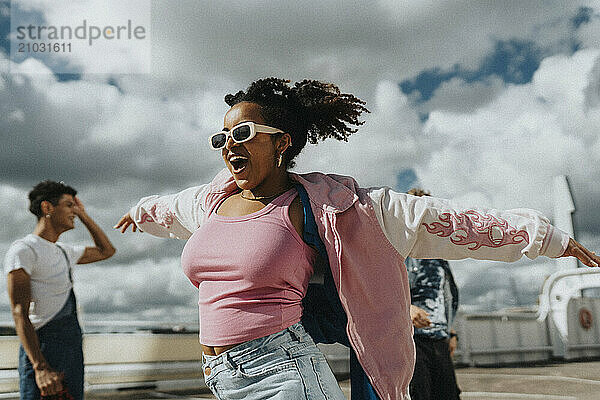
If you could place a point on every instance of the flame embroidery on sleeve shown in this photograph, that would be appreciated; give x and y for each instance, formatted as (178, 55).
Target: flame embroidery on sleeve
(472, 228)
(146, 218)
(159, 214)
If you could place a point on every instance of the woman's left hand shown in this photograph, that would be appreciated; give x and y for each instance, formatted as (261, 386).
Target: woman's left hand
(575, 249)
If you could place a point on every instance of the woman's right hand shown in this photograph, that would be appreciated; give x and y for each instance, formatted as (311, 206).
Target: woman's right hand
(124, 223)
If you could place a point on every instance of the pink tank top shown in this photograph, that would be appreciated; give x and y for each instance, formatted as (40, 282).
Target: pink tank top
(251, 271)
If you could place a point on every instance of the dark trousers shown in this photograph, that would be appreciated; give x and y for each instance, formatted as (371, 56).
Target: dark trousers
(434, 377)
(360, 386)
(61, 345)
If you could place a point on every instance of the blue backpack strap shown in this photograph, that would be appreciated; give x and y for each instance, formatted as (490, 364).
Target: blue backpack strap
(324, 317)
(311, 232)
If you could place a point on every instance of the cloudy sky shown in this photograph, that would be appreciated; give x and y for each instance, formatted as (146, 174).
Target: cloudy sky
(480, 102)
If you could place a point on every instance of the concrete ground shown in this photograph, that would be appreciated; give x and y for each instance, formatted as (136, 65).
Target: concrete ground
(560, 381)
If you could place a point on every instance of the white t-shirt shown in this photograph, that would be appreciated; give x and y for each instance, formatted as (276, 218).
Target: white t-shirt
(48, 270)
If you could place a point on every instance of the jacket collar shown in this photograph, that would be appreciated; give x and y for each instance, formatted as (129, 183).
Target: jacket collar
(223, 183)
(332, 193)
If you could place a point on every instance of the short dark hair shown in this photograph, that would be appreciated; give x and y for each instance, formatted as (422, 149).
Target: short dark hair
(47, 191)
(308, 110)
(419, 192)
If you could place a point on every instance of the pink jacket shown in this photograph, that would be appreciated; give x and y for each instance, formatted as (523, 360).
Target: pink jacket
(371, 279)
(368, 233)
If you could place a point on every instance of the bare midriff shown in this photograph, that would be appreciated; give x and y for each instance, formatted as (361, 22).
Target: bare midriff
(216, 350)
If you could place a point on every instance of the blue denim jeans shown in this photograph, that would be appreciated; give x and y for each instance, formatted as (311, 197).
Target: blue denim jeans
(61, 345)
(283, 366)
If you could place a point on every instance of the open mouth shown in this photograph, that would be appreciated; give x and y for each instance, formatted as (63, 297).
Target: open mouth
(238, 163)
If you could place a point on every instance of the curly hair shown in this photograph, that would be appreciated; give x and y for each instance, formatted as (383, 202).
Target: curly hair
(47, 191)
(309, 110)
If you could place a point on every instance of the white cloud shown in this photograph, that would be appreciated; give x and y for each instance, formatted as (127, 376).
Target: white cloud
(589, 34)
(4, 10)
(511, 148)
(385, 145)
(135, 288)
(14, 213)
(488, 285)
(355, 42)
(32, 66)
(16, 115)
(458, 96)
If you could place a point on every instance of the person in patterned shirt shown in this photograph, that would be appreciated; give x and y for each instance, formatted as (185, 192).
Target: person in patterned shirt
(434, 301)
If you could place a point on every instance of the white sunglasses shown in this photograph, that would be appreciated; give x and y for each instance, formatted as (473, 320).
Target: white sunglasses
(240, 133)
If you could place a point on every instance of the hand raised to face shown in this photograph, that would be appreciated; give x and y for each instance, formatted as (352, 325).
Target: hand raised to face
(78, 207)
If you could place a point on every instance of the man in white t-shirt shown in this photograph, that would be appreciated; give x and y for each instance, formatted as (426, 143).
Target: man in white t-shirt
(40, 288)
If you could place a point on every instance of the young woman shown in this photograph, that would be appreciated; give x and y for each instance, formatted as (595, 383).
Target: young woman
(246, 253)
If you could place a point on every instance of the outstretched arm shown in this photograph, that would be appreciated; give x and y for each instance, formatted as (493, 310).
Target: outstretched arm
(176, 215)
(104, 248)
(428, 227)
